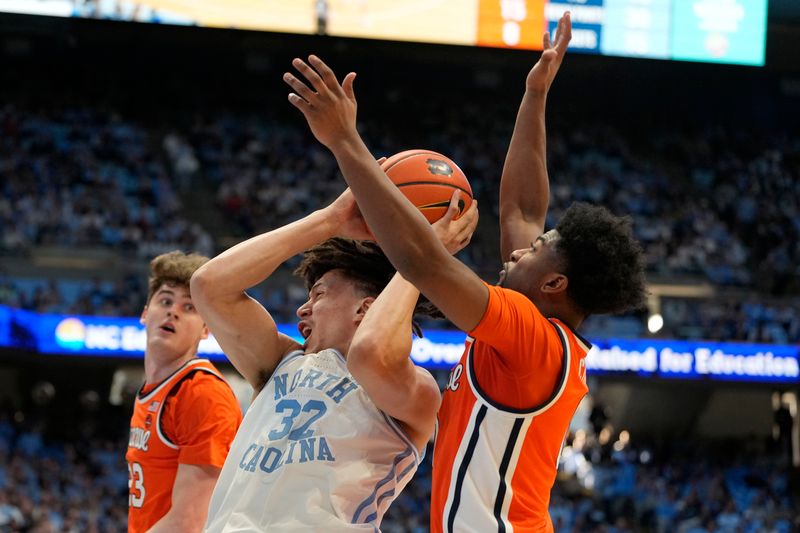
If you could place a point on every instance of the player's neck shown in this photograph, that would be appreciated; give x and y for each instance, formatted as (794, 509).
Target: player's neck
(342, 345)
(158, 367)
(563, 312)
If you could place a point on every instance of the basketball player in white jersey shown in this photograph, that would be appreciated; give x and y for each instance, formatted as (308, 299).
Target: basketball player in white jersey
(338, 424)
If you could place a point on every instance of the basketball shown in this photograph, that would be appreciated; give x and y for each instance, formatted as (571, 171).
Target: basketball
(428, 179)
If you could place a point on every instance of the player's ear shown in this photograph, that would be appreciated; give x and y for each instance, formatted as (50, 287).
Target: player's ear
(204, 335)
(364, 307)
(554, 283)
(143, 316)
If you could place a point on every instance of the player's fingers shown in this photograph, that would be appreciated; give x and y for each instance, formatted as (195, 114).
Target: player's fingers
(469, 220)
(547, 44)
(464, 235)
(564, 33)
(299, 103)
(381, 160)
(347, 85)
(452, 209)
(310, 74)
(299, 87)
(325, 72)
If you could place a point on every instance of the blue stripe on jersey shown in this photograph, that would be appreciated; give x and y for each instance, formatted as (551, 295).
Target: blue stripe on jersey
(374, 514)
(390, 492)
(402, 434)
(406, 471)
(389, 477)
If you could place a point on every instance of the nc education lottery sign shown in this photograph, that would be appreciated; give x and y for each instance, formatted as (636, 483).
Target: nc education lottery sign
(125, 337)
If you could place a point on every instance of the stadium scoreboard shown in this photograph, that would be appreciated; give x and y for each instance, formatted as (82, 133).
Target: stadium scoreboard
(716, 31)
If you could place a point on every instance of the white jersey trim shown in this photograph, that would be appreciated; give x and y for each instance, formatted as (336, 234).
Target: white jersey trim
(461, 462)
(168, 380)
(503, 502)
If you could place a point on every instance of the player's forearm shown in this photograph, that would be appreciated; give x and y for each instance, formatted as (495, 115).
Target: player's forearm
(384, 336)
(252, 261)
(403, 233)
(524, 186)
(379, 361)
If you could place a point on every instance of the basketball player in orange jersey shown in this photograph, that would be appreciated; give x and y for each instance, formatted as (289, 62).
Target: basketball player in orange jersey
(185, 415)
(509, 401)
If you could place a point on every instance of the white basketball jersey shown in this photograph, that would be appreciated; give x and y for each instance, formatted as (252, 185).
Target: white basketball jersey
(313, 453)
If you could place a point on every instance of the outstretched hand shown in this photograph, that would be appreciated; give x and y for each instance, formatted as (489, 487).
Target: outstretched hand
(456, 234)
(544, 71)
(329, 107)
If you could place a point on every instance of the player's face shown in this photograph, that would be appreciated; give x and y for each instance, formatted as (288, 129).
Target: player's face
(173, 324)
(330, 316)
(530, 269)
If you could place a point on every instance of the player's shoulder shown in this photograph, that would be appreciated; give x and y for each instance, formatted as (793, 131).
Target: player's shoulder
(203, 385)
(498, 291)
(203, 373)
(509, 297)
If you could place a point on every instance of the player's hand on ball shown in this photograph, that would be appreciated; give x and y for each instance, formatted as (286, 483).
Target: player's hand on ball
(544, 71)
(349, 222)
(456, 234)
(329, 107)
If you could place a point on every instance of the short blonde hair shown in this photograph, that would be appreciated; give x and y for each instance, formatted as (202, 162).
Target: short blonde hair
(173, 268)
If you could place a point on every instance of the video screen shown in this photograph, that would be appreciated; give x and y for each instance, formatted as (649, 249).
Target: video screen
(714, 31)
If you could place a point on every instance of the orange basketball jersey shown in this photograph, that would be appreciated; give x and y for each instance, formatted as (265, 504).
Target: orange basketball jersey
(203, 417)
(504, 417)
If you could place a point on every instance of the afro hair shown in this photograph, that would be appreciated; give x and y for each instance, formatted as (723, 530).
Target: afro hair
(602, 260)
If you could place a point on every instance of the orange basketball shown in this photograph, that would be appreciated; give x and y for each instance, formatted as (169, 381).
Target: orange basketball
(428, 179)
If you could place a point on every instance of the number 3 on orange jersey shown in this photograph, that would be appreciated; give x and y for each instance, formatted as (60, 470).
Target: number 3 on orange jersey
(136, 490)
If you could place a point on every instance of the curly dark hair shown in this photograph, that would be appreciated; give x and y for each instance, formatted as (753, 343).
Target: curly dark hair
(602, 260)
(362, 262)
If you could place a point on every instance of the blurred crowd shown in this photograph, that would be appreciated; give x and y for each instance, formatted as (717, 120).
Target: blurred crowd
(745, 319)
(85, 177)
(51, 486)
(690, 488)
(717, 205)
